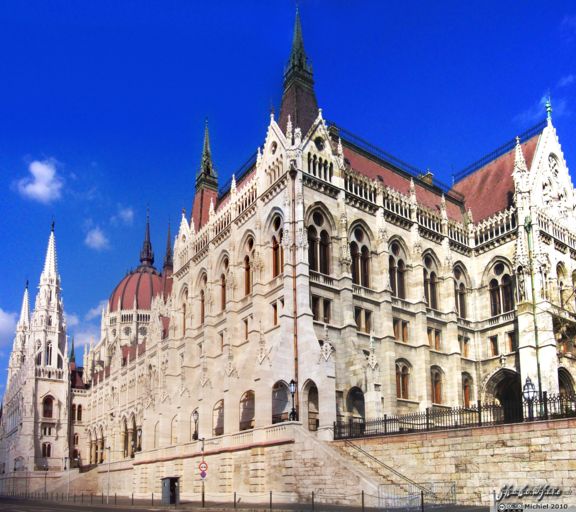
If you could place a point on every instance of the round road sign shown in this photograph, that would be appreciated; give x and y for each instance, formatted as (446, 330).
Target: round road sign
(203, 467)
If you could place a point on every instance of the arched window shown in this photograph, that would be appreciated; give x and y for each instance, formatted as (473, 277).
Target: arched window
(277, 249)
(460, 292)
(355, 403)
(495, 307)
(48, 361)
(218, 418)
(396, 271)
(466, 389)
(222, 292)
(47, 407)
(313, 248)
(436, 381)
(501, 290)
(247, 408)
(247, 265)
(319, 244)
(402, 379)
(75, 440)
(430, 282)
(203, 284)
(184, 301)
(174, 431)
(73, 412)
(280, 402)
(561, 280)
(79, 413)
(360, 254)
(46, 450)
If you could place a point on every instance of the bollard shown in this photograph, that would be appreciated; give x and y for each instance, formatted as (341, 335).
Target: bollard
(312, 501)
(362, 501)
(270, 500)
(152, 499)
(82, 497)
(102, 498)
(234, 499)
(132, 498)
(421, 501)
(114, 498)
(91, 498)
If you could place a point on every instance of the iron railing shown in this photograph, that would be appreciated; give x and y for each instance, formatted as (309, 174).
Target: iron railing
(443, 418)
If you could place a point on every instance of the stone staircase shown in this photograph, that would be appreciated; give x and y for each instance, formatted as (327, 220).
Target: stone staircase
(85, 482)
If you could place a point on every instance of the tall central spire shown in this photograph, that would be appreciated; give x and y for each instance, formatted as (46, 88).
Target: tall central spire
(298, 100)
(207, 173)
(147, 254)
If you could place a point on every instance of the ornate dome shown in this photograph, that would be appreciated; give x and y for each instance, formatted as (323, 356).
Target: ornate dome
(140, 286)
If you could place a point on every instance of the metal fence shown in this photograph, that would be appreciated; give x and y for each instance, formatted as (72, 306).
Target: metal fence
(442, 418)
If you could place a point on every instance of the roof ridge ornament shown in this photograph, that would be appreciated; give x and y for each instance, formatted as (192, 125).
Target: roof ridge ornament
(549, 109)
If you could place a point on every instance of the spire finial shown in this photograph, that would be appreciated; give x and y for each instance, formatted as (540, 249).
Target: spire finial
(168, 260)
(53, 224)
(207, 172)
(147, 254)
(549, 109)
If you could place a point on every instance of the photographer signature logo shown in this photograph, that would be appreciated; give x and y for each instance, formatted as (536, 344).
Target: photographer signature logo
(528, 491)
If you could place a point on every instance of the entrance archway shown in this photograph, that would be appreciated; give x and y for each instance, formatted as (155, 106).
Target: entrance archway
(505, 388)
(565, 382)
(355, 403)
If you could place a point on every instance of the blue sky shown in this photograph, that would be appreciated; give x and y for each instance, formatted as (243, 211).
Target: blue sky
(103, 104)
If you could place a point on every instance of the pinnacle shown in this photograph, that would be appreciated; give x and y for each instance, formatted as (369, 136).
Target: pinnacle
(168, 259)
(147, 254)
(25, 311)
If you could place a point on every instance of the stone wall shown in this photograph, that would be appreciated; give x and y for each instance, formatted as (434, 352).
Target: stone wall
(483, 459)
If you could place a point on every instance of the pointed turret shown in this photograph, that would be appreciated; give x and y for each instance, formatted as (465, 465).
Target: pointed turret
(147, 254)
(206, 184)
(168, 267)
(72, 357)
(519, 160)
(298, 100)
(24, 320)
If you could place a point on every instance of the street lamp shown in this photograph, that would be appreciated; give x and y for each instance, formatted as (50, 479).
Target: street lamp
(293, 414)
(195, 416)
(529, 394)
(108, 491)
(45, 475)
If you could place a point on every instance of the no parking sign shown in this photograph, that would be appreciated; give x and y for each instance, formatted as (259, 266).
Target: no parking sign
(203, 467)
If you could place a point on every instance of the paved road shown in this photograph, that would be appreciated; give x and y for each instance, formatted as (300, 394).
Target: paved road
(22, 505)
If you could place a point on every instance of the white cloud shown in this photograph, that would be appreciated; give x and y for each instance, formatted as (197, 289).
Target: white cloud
(568, 28)
(7, 327)
(537, 111)
(567, 80)
(96, 239)
(44, 186)
(125, 215)
(72, 320)
(96, 311)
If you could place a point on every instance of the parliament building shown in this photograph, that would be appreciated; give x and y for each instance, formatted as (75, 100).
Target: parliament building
(327, 282)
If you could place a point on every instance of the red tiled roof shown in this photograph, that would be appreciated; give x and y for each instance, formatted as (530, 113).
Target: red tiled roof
(373, 169)
(490, 189)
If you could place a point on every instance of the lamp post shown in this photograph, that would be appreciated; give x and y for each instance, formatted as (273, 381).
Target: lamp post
(195, 416)
(67, 469)
(108, 490)
(45, 475)
(528, 228)
(529, 394)
(203, 495)
(293, 414)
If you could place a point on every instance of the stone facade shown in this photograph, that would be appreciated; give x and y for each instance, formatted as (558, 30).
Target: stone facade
(326, 262)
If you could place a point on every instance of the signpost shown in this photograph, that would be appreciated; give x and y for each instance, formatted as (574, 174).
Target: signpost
(203, 467)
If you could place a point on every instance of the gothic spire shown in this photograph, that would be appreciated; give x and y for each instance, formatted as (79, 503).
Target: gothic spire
(24, 320)
(147, 254)
(207, 172)
(168, 259)
(72, 357)
(50, 263)
(298, 100)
